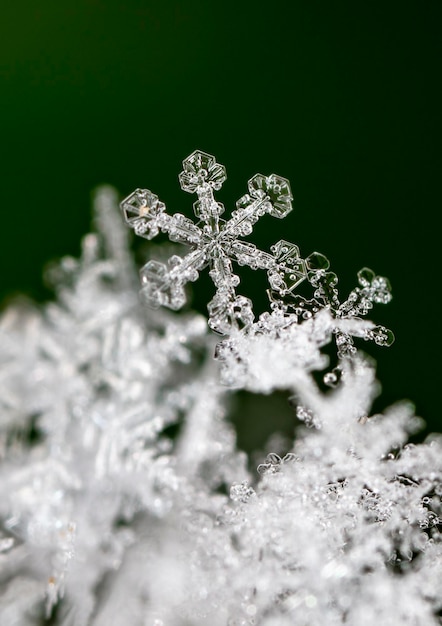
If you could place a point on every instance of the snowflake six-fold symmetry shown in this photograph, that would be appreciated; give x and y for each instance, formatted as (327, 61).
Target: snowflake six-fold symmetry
(216, 242)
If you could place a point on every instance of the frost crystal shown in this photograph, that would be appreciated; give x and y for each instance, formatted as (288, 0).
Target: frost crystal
(214, 241)
(125, 498)
(215, 244)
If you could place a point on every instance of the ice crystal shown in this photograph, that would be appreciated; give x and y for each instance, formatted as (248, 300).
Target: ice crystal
(124, 496)
(215, 242)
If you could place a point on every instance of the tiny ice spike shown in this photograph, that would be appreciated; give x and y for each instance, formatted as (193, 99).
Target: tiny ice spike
(214, 241)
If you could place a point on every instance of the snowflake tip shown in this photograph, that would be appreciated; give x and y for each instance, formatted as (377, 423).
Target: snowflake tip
(200, 170)
(141, 210)
(276, 190)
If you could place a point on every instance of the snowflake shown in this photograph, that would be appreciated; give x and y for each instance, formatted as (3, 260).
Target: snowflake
(291, 308)
(215, 242)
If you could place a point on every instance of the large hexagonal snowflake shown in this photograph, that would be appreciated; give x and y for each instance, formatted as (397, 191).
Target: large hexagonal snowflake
(214, 241)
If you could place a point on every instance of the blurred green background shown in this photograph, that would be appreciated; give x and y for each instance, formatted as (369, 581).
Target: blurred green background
(342, 98)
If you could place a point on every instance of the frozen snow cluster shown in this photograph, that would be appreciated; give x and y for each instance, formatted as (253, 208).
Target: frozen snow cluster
(124, 497)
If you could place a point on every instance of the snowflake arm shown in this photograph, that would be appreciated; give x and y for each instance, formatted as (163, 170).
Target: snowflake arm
(163, 284)
(145, 213)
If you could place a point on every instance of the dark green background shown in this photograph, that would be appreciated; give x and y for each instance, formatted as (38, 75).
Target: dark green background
(342, 98)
